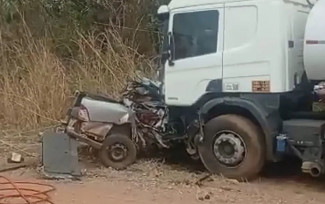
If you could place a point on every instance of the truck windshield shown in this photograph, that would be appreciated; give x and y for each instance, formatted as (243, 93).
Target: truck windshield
(195, 33)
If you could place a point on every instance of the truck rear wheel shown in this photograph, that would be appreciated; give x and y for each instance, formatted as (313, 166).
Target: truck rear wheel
(233, 146)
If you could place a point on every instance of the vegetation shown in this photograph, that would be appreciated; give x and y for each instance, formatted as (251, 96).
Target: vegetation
(50, 48)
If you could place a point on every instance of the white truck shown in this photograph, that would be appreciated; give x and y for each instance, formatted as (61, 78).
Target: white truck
(246, 71)
(238, 89)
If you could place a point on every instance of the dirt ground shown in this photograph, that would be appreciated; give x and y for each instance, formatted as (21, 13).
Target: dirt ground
(172, 180)
(156, 181)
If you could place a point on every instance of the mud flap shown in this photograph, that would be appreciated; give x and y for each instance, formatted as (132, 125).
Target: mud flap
(60, 156)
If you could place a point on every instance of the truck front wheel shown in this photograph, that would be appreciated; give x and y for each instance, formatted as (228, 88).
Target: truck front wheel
(233, 146)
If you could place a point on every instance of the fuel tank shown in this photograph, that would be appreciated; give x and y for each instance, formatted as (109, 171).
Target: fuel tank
(314, 45)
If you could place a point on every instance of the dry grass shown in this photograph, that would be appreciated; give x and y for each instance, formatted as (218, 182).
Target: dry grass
(36, 85)
(46, 55)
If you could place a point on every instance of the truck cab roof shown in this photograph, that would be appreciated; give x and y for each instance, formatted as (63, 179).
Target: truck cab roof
(175, 4)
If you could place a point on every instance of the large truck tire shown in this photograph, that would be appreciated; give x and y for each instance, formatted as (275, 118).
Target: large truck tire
(234, 147)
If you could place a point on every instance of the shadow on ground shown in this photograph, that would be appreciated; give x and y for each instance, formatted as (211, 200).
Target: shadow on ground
(287, 171)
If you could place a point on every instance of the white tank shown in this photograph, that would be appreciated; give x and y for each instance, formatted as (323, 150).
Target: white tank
(314, 49)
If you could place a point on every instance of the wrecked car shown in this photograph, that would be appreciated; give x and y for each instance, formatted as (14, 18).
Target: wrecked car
(106, 125)
(119, 129)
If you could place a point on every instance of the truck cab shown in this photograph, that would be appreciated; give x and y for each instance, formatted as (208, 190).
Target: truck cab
(234, 46)
(240, 66)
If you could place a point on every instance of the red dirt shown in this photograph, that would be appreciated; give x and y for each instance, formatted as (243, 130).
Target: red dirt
(152, 182)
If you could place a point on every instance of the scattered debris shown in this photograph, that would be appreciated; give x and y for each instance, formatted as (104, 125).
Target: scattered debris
(15, 158)
(226, 188)
(13, 168)
(232, 181)
(200, 181)
(16, 148)
(204, 195)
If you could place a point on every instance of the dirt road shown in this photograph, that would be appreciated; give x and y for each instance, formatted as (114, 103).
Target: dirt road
(152, 181)
(171, 180)
(103, 192)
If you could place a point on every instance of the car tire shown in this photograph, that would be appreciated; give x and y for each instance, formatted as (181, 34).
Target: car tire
(118, 151)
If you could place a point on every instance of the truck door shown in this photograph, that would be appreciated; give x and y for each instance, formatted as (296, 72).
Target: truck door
(197, 43)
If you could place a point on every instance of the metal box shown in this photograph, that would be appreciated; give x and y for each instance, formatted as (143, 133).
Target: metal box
(60, 155)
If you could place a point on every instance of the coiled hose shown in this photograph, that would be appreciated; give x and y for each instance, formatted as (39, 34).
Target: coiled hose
(28, 192)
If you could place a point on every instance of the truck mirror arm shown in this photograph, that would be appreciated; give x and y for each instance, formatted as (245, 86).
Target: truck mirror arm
(171, 49)
(310, 4)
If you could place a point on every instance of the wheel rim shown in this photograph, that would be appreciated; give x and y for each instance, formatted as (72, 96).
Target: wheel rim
(118, 152)
(229, 148)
